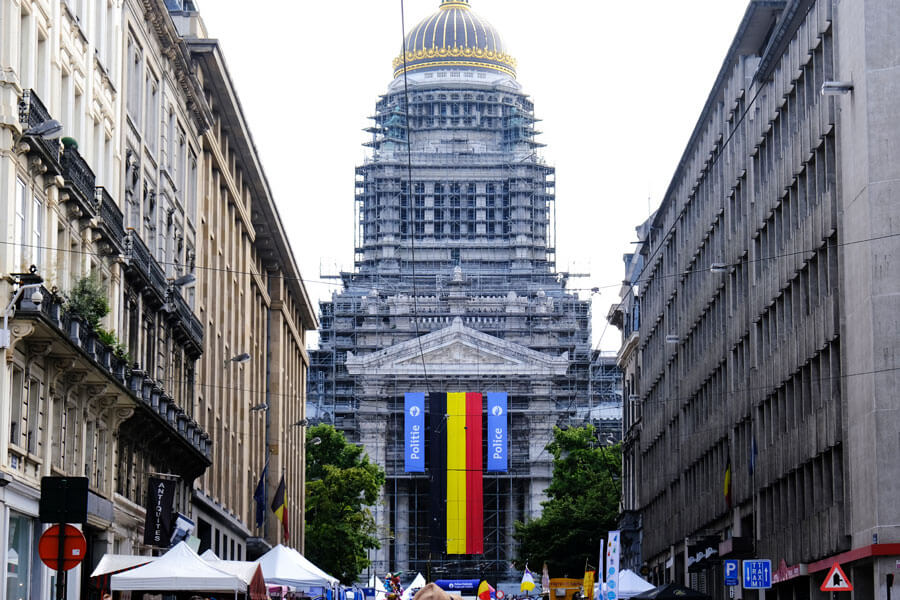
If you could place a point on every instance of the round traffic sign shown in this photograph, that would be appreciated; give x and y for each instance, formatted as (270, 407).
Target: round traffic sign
(73, 543)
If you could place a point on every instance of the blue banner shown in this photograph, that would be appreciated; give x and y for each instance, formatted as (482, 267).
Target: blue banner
(458, 585)
(414, 426)
(497, 433)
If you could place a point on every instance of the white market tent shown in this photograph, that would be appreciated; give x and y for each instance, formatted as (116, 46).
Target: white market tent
(417, 584)
(178, 569)
(285, 566)
(630, 584)
(113, 563)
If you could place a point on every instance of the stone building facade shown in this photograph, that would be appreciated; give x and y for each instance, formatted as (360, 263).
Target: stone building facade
(455, 288)
(768, 335)
(125, 206)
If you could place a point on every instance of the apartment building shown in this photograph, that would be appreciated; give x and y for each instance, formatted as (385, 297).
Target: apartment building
(125, 238)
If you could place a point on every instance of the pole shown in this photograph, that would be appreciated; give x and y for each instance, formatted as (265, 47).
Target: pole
(267, 401)
(61, 574)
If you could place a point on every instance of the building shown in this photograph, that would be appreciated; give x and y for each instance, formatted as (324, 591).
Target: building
(156, 163)
(769, 332)
(454, 288)
(253, 302)
(100, 346)
(626, 316)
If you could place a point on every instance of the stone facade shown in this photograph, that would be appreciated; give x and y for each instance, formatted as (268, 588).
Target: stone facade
(143, 180)
(769, 312)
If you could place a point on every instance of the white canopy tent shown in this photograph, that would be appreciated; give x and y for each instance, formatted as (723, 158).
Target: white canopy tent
(178, 569)
(285, 566)
(417, 584)
(630, 584)
(113, 563)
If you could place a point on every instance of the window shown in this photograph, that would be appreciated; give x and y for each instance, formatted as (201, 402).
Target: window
(134, 82)
(33, 439)
(19, 224)
(152, 128)
(18, 557)
(16, 405)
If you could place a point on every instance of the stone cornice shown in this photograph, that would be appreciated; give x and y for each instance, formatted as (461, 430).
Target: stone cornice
(175, 49)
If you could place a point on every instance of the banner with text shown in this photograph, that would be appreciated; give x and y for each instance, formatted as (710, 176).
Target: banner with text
(159, 525)
(497, 426)
(613, 550)
(414, 425)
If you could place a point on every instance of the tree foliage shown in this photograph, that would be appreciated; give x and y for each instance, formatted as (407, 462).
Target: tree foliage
(341, 484)
(582, 505)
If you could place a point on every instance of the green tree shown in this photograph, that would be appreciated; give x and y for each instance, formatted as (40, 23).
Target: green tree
(341, 484)
(582, 505)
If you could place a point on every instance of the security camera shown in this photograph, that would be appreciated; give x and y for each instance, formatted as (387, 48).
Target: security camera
(37, 297)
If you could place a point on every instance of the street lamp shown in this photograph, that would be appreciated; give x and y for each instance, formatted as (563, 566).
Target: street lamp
(36, 297)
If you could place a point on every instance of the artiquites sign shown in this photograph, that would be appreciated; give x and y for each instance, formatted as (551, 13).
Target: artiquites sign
(158, 525)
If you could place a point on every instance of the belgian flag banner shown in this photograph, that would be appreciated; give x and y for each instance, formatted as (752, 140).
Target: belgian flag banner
(456, 472)
(465, 504)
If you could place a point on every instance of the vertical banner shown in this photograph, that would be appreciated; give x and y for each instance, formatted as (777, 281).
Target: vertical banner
(498, 431)
(465, 503)
(474, 476)
(437, 480)
(414, 427)
(613, 550)
(158, 524)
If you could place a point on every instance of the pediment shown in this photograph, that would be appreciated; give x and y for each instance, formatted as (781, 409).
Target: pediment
(457, 350)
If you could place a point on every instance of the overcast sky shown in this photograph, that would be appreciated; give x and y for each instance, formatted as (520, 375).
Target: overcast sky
(618, 85)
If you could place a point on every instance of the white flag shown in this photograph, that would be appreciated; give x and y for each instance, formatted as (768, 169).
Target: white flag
(612, 566)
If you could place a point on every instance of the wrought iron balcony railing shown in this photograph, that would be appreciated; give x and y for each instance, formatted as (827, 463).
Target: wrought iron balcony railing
(130, 377)
(32, 112)
(143, 268)
(112, 222)
(79, 181)
(187, 327)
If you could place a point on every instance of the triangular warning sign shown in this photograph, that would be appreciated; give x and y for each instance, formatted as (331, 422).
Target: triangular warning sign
(836, 580)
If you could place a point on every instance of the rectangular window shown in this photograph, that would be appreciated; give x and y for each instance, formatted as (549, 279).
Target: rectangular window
(152, 127)
(18, 557)
(19, 224)
(33, 440)
(17, 402)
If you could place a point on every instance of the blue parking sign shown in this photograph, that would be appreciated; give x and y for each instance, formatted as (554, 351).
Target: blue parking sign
(732, 571)
(757, 574)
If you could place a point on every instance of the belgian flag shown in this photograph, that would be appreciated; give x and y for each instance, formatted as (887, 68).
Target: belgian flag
(279, 507)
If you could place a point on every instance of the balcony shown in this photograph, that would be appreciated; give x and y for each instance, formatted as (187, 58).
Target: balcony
(171, 432)
(187, 328)
(112, 222)
(79, 182)
(32, 112)
(143, 270)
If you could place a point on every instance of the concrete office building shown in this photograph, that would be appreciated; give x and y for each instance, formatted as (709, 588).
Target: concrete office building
(455, 287)
(768, 336)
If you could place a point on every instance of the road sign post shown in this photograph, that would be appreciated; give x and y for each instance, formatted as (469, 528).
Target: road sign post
(732, 572)
(757, 574)
(62, 547)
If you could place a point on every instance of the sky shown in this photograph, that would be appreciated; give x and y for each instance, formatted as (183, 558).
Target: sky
(618, 87)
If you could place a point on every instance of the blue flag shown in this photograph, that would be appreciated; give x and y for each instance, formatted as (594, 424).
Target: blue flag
(259, 496)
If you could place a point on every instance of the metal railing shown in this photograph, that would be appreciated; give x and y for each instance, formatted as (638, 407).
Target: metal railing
(185, 321)
(32, 112)
(111, 219)
(142, 263)
(79, 180)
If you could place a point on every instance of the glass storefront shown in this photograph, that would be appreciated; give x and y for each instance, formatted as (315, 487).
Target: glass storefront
(18, 557)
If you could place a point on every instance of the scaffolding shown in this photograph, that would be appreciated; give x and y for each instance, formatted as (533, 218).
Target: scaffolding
(454, 218)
